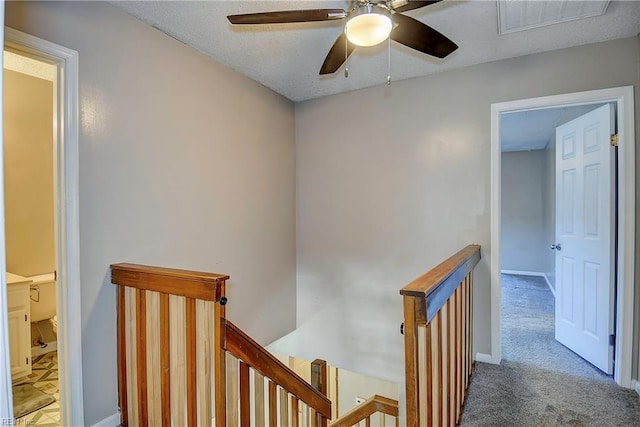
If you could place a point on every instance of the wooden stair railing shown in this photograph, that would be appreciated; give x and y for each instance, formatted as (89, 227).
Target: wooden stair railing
(438, 340)
(287, 395)
(181, 363)
(364, 411)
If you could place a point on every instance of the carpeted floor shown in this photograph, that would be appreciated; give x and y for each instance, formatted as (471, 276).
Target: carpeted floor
(540, 382)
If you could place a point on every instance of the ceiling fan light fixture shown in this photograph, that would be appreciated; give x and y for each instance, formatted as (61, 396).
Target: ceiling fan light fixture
(368, 25)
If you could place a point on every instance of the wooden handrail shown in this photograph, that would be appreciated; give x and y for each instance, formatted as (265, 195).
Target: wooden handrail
(438, 284)
(366, 409)
(438, 340)
(247, 350)
(186, 283)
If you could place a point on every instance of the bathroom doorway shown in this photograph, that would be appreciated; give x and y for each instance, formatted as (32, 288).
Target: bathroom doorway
(29, 114)
(40, 204)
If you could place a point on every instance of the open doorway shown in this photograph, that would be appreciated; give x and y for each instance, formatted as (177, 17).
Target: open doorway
(622, 98)
(29, 113)
(531, 244)
(54, 69)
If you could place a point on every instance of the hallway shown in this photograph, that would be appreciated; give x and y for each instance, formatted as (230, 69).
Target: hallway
(540, 382)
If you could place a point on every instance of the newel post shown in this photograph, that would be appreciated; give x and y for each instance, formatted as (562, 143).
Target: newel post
(319, 382)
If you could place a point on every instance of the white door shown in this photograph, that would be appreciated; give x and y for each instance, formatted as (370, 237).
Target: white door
(584, 236)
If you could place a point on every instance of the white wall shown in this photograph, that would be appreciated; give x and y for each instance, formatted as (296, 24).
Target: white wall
(28, 174)
(183, 163)
(392, 180)
(523, 245)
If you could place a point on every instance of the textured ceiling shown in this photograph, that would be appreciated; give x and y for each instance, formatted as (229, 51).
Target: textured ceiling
(532, 130)
(287, 57)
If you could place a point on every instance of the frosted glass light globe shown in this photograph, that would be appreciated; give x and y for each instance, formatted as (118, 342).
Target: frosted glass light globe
(368, 27)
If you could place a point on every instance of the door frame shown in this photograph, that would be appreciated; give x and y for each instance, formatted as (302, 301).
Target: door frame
(67, 222)
(623, 98)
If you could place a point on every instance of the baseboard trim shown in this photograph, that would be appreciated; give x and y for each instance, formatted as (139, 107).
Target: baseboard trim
(531, 273)
(636, 386)
(110, 421)
(553, 291)
(484, 358)
(522, 273)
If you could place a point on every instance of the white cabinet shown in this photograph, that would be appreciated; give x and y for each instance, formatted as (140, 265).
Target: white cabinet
(19, 328)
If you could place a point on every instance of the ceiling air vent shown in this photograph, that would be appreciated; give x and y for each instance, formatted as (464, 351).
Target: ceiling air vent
(520, 15)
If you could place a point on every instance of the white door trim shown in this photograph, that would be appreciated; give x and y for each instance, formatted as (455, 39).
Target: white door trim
(6, 405)
(623, 97)
(68, 236)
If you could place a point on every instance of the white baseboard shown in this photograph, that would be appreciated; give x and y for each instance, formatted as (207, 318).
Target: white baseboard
(531, 273)
(636, 386)
(553, 291)
(523, 273)
(484, 358)
(111, 421)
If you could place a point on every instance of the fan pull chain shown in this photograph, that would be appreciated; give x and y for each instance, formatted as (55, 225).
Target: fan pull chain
(389, 60)
(346, 52)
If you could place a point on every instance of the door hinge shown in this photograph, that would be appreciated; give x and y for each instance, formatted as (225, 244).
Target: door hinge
(25, 317)
(614, 140)
(26, 360)
(612, 339)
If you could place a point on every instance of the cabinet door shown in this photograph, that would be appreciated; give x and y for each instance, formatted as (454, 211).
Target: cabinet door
(19, 331)
(18, 341)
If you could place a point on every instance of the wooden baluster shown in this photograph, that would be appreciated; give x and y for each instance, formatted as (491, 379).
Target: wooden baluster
(367, 422)
(471, 355)
(458, 356)
(465, 332)
(245, 396)
(205, 353)
(273, 405)
(284, 408)
(424, 385)
(141, 334)
(233, 393)
(132, 355)
(259, 399)
(177, 343)
(192, 402)
(165, 360)
(295, 412)
(452, 362)
(439, 367)
(122, 356)
(153, 361)
(446, 380)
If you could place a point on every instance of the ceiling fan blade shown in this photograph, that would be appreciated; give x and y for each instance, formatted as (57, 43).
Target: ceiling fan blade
(414, 5)
(413, 33)
(288, 16)
(336, 56)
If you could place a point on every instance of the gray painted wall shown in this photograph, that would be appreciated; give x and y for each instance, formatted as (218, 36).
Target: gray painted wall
(183, 163)
(523, 243)
(549, 214)
(393, 179)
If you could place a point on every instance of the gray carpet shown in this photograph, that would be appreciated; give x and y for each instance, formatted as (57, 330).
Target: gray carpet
(27, 399)
(540, 382)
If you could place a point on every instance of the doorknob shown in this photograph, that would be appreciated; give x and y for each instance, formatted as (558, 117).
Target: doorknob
(556, 246)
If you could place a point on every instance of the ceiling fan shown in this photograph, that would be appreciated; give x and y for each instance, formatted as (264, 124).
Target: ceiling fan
(368, 23)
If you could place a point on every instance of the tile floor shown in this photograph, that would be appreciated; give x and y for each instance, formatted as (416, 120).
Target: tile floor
(44, 376)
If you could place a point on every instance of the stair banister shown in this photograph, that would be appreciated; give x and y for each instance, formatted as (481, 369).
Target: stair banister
(438, 340)
(181, 362)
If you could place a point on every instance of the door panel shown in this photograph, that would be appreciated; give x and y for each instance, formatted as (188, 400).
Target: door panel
(584, 230)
